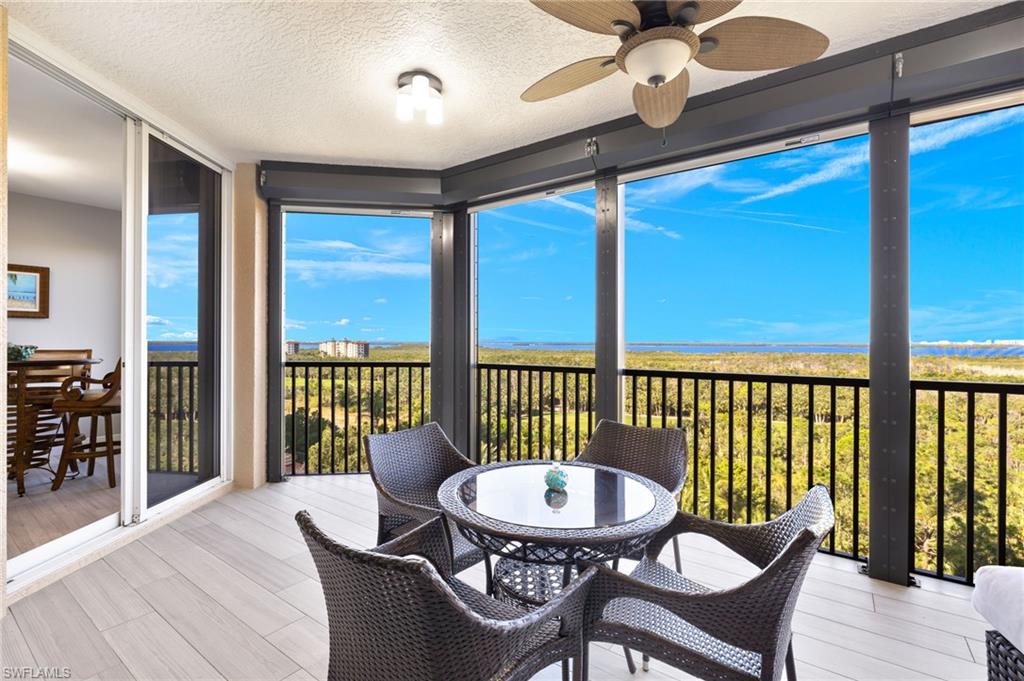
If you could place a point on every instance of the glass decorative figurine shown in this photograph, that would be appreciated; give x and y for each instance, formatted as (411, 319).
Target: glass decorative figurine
(556, 478)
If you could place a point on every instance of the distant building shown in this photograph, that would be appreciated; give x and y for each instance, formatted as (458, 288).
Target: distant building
(346, 349)
(291, 347)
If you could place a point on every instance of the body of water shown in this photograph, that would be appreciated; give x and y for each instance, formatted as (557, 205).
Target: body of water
(973, 350)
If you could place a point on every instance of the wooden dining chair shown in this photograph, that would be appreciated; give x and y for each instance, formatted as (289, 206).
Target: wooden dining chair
(42, 387)
(82, 397)
(25, 450)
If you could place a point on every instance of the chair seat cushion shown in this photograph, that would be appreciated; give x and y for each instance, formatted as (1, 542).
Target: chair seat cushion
(685, 646)
(999, 598)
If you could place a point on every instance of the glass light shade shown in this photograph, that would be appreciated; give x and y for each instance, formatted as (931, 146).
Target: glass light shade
(435, 108)
(421, 92)
(664, 58)
(405, 106)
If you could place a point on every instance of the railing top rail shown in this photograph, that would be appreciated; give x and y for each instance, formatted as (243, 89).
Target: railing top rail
(537, 367)
(839, 381)
(352, 363)
(994, 387)
(173, 362)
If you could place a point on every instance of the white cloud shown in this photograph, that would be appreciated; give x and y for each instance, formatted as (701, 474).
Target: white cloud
(939, 135)
(845, 165)
(502, 215)
(847, 161)
(375, 329)
(342, 322)
(315, 271)
(670, 187)
(324, 245)
(153, 320)
(367, 319)
(632, 223)
(381, 301)
(184, 335)
(568, 298)
(532, 253)
(294, 324)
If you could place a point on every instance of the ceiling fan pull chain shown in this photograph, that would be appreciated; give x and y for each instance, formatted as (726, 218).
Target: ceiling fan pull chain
(664, 138)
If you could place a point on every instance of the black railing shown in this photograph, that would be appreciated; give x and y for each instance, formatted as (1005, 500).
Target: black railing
(757, 442)
(330, 406)
(533, 411)
(173, 409)
(967, 477)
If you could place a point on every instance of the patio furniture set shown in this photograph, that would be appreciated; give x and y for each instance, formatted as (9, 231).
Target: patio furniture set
(398, 611)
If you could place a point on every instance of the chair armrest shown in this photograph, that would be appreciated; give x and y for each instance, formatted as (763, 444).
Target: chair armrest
(70, 393)
(714, 612)
(753, 542)
(430, 540)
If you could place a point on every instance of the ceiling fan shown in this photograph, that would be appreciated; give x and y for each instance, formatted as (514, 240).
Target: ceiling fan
(658, 41)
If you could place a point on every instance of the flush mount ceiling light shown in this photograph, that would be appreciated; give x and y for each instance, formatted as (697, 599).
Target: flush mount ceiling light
(419, 91)
(658, 41)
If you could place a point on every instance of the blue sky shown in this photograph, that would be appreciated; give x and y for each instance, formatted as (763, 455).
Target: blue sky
(773, 248)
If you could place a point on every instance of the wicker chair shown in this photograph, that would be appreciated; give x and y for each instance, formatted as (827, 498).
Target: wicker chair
(658, 454)
(741, 633)
(407, 468)
(395, 616)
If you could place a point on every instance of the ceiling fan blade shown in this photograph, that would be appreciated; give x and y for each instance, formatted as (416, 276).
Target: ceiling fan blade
(592, 15)
(705, 10)
(569, 78)
(761, 44)
(660, 107)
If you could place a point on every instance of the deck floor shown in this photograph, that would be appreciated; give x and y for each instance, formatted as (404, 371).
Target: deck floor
(229, 591)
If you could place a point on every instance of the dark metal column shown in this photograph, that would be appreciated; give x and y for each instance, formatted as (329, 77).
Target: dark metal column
(275, 341)
(453, 326)
(610, 347)
(890, 351)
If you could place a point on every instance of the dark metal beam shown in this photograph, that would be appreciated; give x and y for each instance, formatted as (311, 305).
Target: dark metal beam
(333, 184)
(609, 356)
(889, 352)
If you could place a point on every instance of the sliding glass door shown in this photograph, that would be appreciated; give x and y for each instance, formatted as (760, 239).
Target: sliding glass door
(183, 254)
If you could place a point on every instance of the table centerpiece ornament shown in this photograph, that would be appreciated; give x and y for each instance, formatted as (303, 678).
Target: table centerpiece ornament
(556, 478)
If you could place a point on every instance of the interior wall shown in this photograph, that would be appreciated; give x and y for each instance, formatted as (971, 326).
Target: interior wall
(82, 247)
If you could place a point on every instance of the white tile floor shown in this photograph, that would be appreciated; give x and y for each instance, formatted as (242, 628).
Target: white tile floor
(230, 591)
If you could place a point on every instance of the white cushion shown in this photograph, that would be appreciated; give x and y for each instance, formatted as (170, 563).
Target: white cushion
(999, 598)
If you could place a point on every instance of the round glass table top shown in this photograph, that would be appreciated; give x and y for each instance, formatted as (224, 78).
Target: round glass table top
(593, 497)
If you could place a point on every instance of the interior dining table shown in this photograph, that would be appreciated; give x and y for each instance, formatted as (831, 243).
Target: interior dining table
(32, 425)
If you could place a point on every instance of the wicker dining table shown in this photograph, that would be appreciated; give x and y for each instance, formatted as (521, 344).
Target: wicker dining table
(508, 511)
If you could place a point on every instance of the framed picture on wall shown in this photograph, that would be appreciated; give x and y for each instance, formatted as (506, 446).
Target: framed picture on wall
(28, 291)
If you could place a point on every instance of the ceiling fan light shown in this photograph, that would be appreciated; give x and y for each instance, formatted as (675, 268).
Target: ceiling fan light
(657, 61)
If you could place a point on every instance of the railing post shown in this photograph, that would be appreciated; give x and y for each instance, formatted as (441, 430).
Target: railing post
(609, 357)
(453, 326)
(889, 373)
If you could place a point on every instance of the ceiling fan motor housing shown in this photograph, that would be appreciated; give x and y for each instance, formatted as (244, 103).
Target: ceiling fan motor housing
(657, 55)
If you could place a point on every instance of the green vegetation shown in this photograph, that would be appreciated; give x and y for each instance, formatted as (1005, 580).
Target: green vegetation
(737, 438)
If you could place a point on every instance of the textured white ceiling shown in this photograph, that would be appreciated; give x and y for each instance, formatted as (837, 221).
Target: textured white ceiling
(61, 144)
(315, 81)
